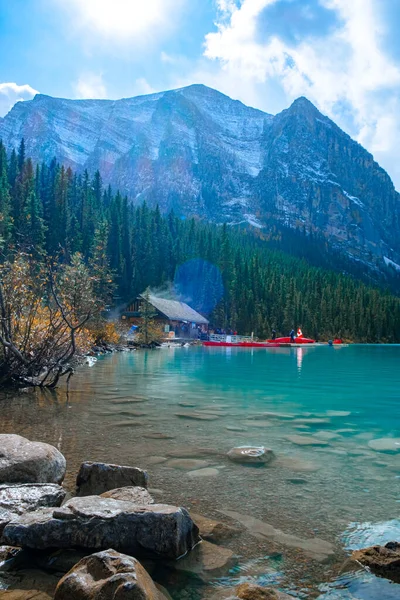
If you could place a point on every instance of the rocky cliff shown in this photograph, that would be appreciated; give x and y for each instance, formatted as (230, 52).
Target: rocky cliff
(201, 153)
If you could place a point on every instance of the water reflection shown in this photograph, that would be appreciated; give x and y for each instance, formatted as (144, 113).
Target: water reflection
(360, 586)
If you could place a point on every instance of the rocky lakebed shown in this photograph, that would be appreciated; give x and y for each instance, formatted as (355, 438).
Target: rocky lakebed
(111, 539)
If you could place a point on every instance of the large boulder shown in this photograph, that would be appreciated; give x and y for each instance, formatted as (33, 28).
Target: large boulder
(22, 461)
(383, 561)
(251, 455)
(109, 575)
(137, 495)
(100, 523)
(19, 498)
(96, 478)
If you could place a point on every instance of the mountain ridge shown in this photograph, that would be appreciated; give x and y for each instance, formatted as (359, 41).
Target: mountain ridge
(203, 154)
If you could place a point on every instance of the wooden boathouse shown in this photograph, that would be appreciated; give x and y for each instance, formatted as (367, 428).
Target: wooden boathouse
(177, 318)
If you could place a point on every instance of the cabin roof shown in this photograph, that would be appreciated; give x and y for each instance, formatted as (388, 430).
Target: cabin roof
(176, 311)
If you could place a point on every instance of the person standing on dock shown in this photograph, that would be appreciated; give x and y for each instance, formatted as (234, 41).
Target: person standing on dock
(292, 334)
(273, 334)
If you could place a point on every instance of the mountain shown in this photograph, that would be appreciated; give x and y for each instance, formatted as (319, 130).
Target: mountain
(202, 153)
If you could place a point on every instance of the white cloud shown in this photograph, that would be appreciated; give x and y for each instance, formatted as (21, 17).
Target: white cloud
(142, 87)
(125, 20)
(10, 93)
(346, 67)
(90, 85)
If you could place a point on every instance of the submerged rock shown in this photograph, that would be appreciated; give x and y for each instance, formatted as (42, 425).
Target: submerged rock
(197, 416)
(305, 440)
(109, 575)
(135, 494)
(250, 591)
(214, 531)
(19, 498)
(385, 445)
(100, 523)
(207, 472)
(206, 561)
(316, 548)
(251, 455)
(97, 478)
(383, 561)
(23, 461)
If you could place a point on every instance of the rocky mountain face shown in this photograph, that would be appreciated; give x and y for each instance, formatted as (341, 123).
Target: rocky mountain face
(201, 153)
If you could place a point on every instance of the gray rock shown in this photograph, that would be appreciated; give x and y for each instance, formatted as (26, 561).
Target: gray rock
(137, 495)
(251, 455)
(17, 499)
(97, 478)
(22, 461)
(100, 523)
(109, 575)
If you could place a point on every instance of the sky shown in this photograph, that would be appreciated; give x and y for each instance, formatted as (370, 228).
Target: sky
(343, 55)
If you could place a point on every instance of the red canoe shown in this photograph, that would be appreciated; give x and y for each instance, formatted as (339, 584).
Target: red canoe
(243, 344)
(297, 340)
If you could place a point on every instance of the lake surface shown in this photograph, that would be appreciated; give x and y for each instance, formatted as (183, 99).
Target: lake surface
(176, 412)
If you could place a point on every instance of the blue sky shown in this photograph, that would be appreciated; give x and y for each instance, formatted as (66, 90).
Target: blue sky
(344, 55)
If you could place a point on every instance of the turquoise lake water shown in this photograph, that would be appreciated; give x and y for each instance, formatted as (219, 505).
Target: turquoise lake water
(177, 412)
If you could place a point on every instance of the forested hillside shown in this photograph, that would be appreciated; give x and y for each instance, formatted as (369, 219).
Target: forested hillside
(48, 209)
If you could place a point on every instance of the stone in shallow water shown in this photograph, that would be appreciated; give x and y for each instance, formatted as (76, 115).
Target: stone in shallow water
(214, 531)
(135, 494)
(338, 413)
(235, 428)
(326, 435)
(101, 523)
(385, 445)
(383, 561)
(196, 416)
(23, 461)
(251, 455)
(315, 548)
(208, 472)
(187, 464)
(96, 478)
(110, 575)
(250, 591)
(206, 561)
(304, 440)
